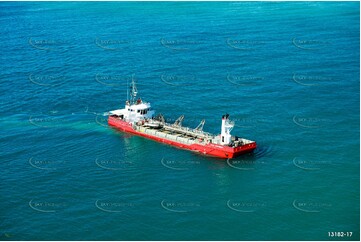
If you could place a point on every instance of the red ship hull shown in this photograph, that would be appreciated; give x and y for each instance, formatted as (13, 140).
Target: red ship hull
(209, 149)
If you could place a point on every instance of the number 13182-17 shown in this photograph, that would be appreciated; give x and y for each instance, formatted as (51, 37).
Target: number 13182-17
(339, 234)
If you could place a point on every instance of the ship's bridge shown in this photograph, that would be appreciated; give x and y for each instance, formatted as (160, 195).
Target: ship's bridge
(141, 108)
(134, 112)
(135, 109)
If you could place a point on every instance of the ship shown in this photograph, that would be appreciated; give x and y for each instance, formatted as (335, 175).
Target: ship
(138, 118)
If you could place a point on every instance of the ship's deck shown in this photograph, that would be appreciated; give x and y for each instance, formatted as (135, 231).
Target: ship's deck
(170, 135)
(184, 135)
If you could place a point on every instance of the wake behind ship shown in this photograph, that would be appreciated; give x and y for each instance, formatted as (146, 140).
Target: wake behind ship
(138, 118)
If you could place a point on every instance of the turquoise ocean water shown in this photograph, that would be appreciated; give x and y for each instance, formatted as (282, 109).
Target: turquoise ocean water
(287, 73)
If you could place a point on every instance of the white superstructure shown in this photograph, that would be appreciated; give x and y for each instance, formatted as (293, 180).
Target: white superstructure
(135, 109)
(226, 129)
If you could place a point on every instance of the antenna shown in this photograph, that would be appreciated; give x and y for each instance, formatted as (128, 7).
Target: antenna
(134, 92)
(128, 89)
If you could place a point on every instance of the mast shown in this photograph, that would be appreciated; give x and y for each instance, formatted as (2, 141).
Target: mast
(128, 89)
(134, 91)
